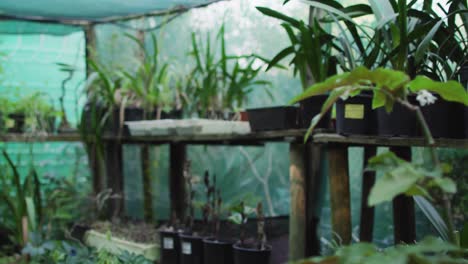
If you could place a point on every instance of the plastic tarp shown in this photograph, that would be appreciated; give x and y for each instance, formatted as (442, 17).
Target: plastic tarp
(88, 9)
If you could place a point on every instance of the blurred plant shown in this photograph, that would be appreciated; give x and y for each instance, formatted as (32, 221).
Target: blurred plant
(189, 180)
(406, 35)
(311, 48)
(429, 250)
(239, 216)
(150, 84)
(211, 88)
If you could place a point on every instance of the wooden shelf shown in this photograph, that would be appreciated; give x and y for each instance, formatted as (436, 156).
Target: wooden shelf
(65, 137)
(332, 138)
(254, 138)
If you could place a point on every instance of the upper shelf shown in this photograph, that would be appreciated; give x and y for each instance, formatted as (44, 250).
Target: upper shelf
(254, 138)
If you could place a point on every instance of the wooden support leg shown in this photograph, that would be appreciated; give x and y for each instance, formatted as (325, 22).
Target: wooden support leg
(115, 181)
(314, 160)
(176, 182)
(297, 216)
(339, 192)
(147, 183)
(403, 208)
(366, 227)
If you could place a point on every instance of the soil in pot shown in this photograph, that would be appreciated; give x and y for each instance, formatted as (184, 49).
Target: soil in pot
(355, 116)
(217, 252)
(250, 254)
(170, 247)
(309, 108)
(273, 118)
(401, 122)
(191, 249)
(19, 121)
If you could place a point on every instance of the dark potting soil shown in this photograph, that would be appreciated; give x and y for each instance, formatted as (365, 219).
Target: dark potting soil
(135, 231)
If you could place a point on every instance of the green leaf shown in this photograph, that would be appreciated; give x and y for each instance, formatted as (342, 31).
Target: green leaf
(235, 218)
(451, 91)
(421, 51)
(31, 209)
(399, 178)
(272, 13)
(433, 215)
(446, 184)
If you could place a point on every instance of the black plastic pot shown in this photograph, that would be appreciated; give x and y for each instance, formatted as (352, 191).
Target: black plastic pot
(169, 247)
(355, 116)
(309, 108)
(401, 122)
(114, 124)
(191, 249)
(217, 252)
(273, 118)
(251, 255)
(19, 121)
(444, 119)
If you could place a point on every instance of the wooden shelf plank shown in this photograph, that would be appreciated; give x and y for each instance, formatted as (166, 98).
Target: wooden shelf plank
(65, 137)
(328, 138)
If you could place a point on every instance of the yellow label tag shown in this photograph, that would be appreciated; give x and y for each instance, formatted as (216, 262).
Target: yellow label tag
(354, 111)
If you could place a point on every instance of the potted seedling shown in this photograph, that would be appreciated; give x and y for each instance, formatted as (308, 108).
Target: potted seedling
(170, 241)
(256, 252)
(311, 48)
(220, 84)
(215, 249)
(192, 238)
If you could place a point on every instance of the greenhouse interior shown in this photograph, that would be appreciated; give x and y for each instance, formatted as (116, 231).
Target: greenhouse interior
(234, 131)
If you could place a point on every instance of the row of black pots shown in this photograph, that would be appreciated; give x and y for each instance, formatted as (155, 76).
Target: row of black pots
(288, 117)
(355, 116)
(178, 248)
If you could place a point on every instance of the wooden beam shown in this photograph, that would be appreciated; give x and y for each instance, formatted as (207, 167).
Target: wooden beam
(339, 192)
(314, 161)
(297, 215)
(404, 220)
(366, 228)
(178, 155)
(147, 183)
(115, 179)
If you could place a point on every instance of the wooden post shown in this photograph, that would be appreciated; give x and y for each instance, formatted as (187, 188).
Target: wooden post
(366, 228)
(297, 216)
(339, 192)
(403, 208)
(177, 194)
(314, 159)
(147, 183)
(115, 181)
(95, 152)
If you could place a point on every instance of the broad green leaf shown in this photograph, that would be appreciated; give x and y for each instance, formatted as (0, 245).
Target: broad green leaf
(31, 210)
(447, 185)
(451, 91)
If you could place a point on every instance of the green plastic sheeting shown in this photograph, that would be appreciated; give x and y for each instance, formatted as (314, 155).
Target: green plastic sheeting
(87, 9)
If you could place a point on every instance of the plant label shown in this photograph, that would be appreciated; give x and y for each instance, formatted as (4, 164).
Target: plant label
(187, 248)
(354, 111)
(168, 243)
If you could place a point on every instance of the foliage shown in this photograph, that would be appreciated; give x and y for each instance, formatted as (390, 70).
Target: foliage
(388, 86)
(214, 85)
(70, 252)
(311, 48)
(429, 250)
(239, 216)
(150, 83)
(406, 36)
(33, 212)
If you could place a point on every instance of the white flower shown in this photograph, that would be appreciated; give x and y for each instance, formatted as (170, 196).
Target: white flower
(425, 98)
